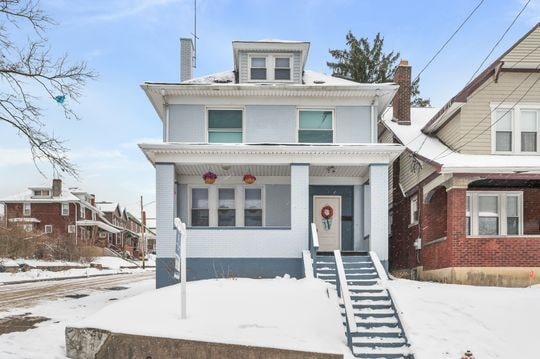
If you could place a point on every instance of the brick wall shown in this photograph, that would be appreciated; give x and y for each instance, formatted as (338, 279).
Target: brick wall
(444, 216)
(46, 213)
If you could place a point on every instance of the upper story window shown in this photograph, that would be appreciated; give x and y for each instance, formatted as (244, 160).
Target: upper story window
(225, 125)
(27, 209)
(257, 70)
(275, 67)
(65, 209)
(414, 209)
(515, 130)
(315, 126)
(491, 213)
(42, 193)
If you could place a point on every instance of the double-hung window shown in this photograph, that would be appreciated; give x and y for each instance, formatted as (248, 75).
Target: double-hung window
(282, 68)
(492, 213)
(226, 207)
(315, 126)
(65, 209)
(516, 129)
(27, 209)
(257, 70)
(414, 209)
(253, 207)
(225, 126)
(199, 207)
(48, 228)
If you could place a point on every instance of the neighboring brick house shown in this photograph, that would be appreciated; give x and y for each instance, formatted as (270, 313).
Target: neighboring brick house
(71, 214)
(465, 194)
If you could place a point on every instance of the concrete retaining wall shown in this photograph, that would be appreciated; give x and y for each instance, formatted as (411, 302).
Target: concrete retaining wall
(481, 276)
(85, 343)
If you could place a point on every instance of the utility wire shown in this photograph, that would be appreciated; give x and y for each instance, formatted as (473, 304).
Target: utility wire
(499, 41)
(449, 39)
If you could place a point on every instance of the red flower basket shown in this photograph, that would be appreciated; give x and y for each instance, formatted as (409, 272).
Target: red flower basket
(249, 178)
(209, 177)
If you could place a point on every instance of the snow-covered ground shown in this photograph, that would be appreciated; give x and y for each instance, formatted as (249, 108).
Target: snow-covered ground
(47, 340)
(36, 263)
(113, 262)
(280, 313)
(444, 320)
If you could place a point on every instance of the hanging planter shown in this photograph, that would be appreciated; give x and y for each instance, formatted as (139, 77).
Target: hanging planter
(209, 177)
(249, 178)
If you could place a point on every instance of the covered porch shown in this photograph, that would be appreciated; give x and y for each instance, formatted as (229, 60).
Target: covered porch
(259, 229)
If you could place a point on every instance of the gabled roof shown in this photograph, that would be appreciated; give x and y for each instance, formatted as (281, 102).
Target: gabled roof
(432, 150)
(270, 45)
(28, 196)
(524, 54)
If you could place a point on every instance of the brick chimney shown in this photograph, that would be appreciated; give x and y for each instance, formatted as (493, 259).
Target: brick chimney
(56, 187)
(402, 100)
(186, 59)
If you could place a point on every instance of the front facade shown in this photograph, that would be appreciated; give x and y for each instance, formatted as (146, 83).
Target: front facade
(465, 193)
(283, 147)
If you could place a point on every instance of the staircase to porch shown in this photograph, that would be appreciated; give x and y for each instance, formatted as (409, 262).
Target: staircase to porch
(377, 331)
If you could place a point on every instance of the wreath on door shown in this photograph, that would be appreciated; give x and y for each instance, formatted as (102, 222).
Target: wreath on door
(327, 212)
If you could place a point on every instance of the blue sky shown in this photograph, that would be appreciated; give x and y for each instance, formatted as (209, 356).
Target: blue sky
(131, 41)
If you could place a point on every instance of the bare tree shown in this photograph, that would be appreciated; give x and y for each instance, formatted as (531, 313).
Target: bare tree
(29, 73)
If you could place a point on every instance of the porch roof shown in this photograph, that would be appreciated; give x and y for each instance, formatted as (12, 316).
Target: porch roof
(272, 154)
(101, 225)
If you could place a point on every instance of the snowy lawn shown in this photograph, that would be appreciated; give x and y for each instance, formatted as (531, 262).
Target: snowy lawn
(40, 274)
(113, 262)
(36, 263)
(279, 313)
(443, 320)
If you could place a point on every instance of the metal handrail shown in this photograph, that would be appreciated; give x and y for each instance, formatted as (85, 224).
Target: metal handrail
(342, 288)
(314, 248)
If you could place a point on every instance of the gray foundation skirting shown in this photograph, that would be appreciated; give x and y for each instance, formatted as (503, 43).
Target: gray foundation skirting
(208, 268)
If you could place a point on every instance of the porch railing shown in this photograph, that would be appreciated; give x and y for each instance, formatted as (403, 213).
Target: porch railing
(342, 288)
(314, 248)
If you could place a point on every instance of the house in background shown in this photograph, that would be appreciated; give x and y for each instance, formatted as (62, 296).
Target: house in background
(465, 194)
(288, 146)
(72, 214)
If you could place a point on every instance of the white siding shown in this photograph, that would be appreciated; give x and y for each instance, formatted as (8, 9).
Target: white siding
(412, 172)
(165, 210)
(378, 183)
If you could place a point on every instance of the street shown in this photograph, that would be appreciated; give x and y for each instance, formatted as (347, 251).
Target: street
(33, 316)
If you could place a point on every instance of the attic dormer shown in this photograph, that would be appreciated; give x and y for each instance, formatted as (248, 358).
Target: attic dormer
(270, 61)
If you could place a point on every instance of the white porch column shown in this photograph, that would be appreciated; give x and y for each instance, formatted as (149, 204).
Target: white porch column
(165, 210)
(378, 184)
(300, 204)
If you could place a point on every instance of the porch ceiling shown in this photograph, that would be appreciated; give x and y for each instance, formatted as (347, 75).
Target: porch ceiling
(270, 170)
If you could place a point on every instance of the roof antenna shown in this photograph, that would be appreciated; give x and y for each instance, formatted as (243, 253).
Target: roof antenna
(194, 34)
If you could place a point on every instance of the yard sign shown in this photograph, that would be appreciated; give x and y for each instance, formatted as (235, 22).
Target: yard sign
(180, 260)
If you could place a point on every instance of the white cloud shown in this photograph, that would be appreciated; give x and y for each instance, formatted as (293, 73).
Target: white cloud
(15, 156)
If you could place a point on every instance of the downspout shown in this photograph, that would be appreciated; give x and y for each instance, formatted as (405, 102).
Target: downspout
(167, 123)
(373, 115)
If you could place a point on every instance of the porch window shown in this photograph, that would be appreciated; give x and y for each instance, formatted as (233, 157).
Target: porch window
(257, 70)
(488, 215)
(65, 209)
(71, 228)
(226, 208)
(199, 207)
(414, 209)
(48, 228)
(282, 69)
(27, 209)
(253, 207)
(316, 126)
(225, 126)
(494, 213)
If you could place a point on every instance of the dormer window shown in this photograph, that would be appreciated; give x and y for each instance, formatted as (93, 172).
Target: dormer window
(42, 193)
(270, 68)
(282, 69)
(258, 68)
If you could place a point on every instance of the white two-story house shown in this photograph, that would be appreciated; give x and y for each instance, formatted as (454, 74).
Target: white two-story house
(285, 147)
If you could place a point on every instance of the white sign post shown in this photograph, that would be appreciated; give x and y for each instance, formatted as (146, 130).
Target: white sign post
(180, 261)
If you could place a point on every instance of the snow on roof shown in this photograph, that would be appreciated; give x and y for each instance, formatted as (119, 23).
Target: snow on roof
(432, 149)
(107, 206)
(311, 78)
(27, 195)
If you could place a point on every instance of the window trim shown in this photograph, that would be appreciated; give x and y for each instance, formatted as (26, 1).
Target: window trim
(28, 227)
(213, 203)
(48, 229)
(71, 228)
(322, 109)
(515, 111)
(231, 107)
(271, 66)
(501, 213)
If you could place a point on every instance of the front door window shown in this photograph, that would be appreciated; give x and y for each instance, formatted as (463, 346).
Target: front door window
(327, 219)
